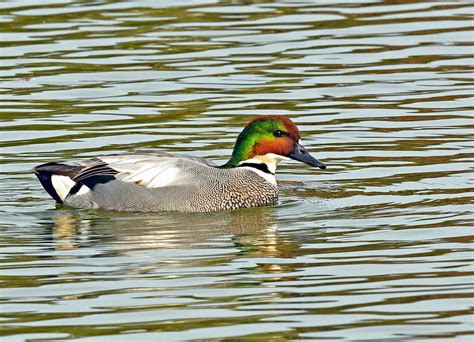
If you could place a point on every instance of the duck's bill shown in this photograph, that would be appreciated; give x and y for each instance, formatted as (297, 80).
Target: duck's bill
(301, 154)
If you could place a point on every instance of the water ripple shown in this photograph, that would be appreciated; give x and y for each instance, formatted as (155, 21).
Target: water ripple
(376, 247)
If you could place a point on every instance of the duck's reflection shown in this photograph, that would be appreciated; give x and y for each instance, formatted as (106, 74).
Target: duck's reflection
(64, 232)
(251, 231)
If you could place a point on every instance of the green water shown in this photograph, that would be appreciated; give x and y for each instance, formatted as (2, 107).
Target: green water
(376, 247)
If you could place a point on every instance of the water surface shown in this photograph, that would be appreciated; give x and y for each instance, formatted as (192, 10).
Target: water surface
(377, 246)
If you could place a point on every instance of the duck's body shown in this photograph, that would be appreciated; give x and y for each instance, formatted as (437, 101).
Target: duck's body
(155, 181)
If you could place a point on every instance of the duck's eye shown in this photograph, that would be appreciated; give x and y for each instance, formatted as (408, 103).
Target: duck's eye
(278, 133)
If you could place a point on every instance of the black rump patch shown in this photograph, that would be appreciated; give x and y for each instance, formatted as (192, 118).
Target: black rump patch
(44, 172)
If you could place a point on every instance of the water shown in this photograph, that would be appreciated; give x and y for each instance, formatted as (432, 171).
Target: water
(378, 246)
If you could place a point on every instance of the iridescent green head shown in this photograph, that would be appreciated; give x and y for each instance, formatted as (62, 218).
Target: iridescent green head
(270, 135)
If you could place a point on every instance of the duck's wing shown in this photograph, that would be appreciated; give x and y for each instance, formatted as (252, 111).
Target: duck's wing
(151, 170)
(158, 153)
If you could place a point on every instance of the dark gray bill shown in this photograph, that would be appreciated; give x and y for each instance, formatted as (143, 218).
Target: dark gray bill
(299, 153)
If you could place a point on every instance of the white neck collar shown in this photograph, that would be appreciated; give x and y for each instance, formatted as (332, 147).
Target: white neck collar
(271, 160)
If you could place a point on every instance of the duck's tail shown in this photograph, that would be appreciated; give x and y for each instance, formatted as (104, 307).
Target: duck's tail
(57, 179)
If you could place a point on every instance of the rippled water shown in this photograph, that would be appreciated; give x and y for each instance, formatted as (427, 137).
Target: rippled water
(378, 246)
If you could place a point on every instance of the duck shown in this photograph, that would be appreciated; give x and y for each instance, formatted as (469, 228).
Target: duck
(150, 180)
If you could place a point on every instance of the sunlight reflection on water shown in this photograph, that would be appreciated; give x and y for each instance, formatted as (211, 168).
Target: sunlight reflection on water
(378, 246)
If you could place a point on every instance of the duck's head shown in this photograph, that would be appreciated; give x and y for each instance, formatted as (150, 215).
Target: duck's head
(269, 139)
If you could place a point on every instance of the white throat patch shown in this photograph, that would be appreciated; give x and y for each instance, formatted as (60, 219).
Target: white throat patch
(271, 160)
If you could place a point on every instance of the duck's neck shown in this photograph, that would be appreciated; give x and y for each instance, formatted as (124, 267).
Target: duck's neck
(264, 165)
(269, 160)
